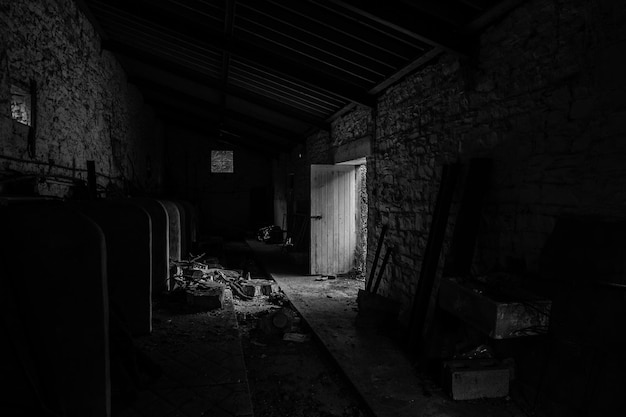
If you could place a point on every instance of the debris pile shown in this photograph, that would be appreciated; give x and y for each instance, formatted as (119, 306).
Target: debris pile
(203, 280)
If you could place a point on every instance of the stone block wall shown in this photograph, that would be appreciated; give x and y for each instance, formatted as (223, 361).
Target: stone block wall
(354, 125)
(543, 97)
(86, 110)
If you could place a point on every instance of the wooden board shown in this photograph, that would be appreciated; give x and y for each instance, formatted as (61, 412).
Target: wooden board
(333, 219)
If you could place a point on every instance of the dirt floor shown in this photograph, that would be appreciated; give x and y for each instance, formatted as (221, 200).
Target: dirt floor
(290, 378)
(287, 378)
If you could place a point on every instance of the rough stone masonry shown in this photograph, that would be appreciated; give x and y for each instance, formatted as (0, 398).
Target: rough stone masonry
(86, 110)
(542, 97)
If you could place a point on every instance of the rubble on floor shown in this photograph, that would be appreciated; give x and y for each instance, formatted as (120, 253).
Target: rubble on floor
(288, 374)
(202, 279)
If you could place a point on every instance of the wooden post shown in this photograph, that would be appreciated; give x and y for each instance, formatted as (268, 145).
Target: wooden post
(428, 272)
(381, 238)
(382, 270)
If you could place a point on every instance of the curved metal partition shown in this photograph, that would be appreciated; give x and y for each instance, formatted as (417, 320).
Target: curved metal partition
(127, 230)
(160, 242)
(53, 308)
(174, 228)
(184, 229)
(191, 214)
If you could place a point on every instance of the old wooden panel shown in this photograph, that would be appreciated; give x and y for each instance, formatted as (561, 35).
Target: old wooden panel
(333, 218)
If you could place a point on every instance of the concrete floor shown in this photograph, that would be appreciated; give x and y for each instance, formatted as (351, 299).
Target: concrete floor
(202, 363)
(377, 367)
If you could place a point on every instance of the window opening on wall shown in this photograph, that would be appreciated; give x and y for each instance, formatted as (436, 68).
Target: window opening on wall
(222, 162)
(20, 105)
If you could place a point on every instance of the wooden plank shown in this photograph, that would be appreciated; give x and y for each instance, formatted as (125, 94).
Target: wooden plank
(352, 210)
(379, 247)
(333, 197)
(341, 224)
(461, 254)
(428, 271)
(314, 211)
(336, 231)
(328, 219)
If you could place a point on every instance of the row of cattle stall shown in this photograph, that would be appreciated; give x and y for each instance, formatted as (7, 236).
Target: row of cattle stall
(72, 275)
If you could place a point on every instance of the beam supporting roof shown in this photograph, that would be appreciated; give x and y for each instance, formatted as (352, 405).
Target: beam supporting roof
(203, 110)
(274, 60)
(169, 95)
(238, 135)
(228, 30)
(422, 60)
(176, 69)
(424, 29)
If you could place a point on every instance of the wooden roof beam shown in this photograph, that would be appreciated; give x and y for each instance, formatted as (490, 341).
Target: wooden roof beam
(274, 60)
(205, 111)
(175, 69)
(427, 30)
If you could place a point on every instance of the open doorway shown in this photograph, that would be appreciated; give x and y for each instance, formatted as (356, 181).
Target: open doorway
(338, 219)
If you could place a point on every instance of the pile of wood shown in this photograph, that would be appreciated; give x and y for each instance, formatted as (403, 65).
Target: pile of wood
(204, 280)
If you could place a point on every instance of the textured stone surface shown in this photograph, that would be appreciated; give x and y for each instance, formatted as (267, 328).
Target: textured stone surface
(544, 99)
(86, 109)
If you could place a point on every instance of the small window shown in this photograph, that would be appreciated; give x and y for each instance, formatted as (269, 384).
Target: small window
(20, 105)
(222, 162)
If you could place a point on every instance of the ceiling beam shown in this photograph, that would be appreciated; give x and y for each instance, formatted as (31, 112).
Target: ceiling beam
(208, 115)
(335, 29)
(167, 95)
(344, 110)
(173, 115)
(424, 29)
(175, 69)
(273, 60)
(229, 17)
(422, 60)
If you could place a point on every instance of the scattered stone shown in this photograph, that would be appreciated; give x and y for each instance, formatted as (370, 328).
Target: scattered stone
(296, 337)
(257, 287)
(209, 297)
(277, 322)
(278, 298)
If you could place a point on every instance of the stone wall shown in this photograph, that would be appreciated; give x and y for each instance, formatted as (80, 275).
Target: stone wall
(543, 99)
(85, 108)
(354, 125)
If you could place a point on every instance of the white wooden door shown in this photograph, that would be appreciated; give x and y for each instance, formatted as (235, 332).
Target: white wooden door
(333, 219)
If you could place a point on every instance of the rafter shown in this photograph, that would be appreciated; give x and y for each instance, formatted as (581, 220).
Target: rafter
(206, 112)
(168, 95)
(422, 60)
(424, 29)
(229, 17)
(240, 136)
(274, 60)
(175, 69)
